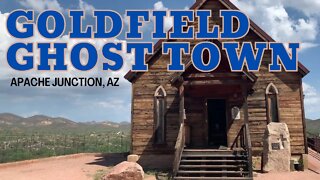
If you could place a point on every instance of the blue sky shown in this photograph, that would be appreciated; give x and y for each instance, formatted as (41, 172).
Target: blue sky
(284, 20)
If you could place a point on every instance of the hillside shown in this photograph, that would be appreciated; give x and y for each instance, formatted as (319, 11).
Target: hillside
(13, 124)
(313, 126)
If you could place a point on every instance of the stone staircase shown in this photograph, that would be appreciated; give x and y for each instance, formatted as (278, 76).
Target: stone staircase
(213, 164)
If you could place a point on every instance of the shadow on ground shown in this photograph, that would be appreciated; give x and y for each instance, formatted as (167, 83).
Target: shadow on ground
(111, 159)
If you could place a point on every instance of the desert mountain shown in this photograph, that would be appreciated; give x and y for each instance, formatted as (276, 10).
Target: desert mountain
(11, 123)
(313, 126)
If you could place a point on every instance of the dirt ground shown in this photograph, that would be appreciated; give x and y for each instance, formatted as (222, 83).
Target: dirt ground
(79, 167)
(306, 175)
(312, 174)
(91, 166)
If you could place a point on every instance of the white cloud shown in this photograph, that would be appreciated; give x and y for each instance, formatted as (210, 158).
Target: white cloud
(41, 5)
(115, 104)
(311, 99)
(159, 6)
(308, 45)
(85, 6)
(274, 19)
(309, 7)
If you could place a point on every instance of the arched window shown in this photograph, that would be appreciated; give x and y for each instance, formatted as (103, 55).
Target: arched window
(272, 103)
(159, 114)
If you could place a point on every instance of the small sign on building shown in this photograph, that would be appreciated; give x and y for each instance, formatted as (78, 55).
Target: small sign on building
(235, 112)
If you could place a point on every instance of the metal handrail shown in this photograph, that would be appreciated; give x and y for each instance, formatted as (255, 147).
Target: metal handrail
(238, 142)
(243, 140)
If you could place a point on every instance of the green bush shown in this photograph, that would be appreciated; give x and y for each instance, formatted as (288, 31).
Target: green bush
(23, 147)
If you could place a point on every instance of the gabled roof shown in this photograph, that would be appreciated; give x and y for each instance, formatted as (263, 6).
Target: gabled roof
(130, 76)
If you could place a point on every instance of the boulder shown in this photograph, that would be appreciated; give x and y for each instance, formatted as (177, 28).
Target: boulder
(133, 158)
(276, 148)
(125, 170)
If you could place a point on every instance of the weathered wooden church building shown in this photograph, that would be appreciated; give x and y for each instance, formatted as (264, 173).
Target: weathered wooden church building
(212, 124)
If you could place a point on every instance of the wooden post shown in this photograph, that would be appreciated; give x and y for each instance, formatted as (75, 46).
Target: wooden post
(303, 119)
(181, 104)
(180, 143)
(247, 130)
(131, 124)
(245, 104)
(182, 113)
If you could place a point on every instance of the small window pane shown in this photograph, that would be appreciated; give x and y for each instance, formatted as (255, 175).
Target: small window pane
(160, 121)
(272, 103)
(160, 108)
(273, 108)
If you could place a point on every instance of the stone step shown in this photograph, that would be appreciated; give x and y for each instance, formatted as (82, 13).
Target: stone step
(212, 156)
(207, 150)
(205, 153)
(212, 172)
(211, 166)
(211, 161)
(216, 151)
(213, 178)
